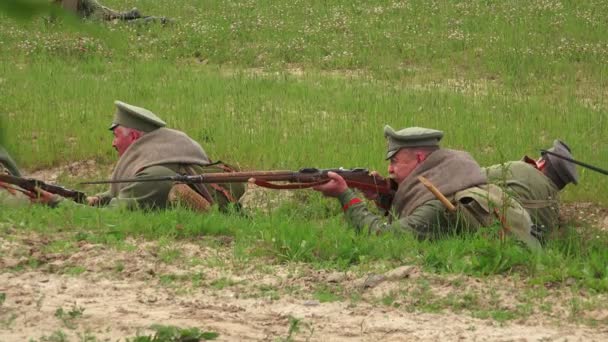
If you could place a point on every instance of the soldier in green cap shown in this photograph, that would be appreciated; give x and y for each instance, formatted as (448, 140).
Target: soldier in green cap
(147, 149)
(414, 152)
(536, 185)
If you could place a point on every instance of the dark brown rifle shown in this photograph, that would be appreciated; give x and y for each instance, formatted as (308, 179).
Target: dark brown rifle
(31, 185)
(304, 178)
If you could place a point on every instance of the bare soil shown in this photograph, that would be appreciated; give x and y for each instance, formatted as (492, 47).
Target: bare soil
(585, 213)
(121, 292)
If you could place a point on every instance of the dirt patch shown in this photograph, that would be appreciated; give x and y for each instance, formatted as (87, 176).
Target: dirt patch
(585, 213)
(118, 292)
(264, 199)
(84, 169)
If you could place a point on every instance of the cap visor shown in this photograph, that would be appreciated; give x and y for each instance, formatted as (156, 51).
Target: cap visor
(390, 154)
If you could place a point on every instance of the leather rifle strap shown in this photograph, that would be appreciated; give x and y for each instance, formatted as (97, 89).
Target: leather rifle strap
(199, 187)
(223, 191)
(269, 185)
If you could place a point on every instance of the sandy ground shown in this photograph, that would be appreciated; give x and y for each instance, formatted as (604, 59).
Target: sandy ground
(117, 302)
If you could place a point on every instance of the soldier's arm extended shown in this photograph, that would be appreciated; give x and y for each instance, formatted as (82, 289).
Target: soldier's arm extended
(145, 195)
(142, 195)
(425, 222)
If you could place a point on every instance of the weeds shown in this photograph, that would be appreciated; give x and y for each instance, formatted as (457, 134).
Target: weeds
(56, 336)
(168, 333)
(69, 317)
(295, 324)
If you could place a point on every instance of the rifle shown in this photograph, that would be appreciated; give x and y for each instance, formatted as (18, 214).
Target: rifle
(304, 178)
(31, 184)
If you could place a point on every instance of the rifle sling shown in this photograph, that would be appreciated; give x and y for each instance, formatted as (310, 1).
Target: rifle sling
(200, 188)
(269, 185)
(223, 191)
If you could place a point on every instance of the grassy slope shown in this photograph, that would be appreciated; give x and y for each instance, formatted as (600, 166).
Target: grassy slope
(293, 84)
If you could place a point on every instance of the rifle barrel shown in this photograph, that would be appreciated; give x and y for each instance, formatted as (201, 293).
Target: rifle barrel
(223, 177)
(358, 178)
(589, 166)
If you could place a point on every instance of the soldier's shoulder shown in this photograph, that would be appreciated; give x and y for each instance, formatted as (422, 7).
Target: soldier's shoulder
(158, 170)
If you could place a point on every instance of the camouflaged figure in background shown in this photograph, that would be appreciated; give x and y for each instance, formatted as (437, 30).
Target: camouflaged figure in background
(93, 9)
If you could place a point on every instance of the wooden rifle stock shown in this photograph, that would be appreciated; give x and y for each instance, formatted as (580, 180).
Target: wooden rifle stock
(31, 184)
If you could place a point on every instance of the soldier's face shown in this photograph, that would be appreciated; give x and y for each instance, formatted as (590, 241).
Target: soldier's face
(123, 138)
(403, 163)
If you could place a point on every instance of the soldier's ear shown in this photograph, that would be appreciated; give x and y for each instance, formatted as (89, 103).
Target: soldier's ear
(420, 157)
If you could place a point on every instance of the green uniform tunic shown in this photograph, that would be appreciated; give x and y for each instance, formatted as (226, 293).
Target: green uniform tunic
(536, 193)
(427, 221)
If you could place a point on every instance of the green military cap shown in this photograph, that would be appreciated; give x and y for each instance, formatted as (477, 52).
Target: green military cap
(410, 137)
(559, 170)
(134, 117)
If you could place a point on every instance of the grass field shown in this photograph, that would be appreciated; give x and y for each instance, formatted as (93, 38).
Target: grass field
(292, 84)
(268, 84)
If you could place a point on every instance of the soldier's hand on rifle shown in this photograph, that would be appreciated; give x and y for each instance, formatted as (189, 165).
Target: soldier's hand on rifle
(93, 200)
(371, 194)
(43, 197)
(335, 187)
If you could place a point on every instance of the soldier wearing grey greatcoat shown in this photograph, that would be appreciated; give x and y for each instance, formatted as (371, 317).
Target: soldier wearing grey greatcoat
(536, 185)
(157, 151)
(414, 208)
(415, 152)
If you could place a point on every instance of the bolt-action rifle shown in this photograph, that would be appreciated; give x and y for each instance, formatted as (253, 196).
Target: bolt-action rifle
(31, 185)
(304, 178)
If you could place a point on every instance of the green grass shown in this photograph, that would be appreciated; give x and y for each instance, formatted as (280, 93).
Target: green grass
(313, 83)
(286, 236)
